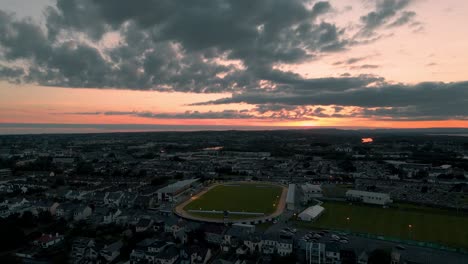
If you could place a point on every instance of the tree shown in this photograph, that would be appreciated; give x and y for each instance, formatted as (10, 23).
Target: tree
(379, 256)
(347, 165)
(159, 181)
(27, 219)
(59, 181)
(45, 217)
(12, 236)
(179, 176)
(84, 168)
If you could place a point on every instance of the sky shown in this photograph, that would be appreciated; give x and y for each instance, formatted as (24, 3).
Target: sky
(234, 63)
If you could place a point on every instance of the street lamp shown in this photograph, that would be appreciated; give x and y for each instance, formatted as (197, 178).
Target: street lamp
(410, 228)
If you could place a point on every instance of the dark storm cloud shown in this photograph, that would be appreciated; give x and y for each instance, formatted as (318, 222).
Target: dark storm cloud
(385, 11)
(168, 45)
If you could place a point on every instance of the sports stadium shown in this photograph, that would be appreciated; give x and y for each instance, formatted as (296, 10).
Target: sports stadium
(235, 202)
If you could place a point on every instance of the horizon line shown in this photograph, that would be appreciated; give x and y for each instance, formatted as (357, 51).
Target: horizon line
(83, 128)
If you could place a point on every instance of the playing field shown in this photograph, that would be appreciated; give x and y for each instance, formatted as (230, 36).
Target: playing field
(427, 224)
(243, 197)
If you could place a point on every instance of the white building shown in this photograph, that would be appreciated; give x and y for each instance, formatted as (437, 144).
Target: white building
(310, 192)
(311, 213)
(291, 197)
(368, 197)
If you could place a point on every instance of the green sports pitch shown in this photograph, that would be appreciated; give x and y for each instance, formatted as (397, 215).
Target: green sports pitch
(407, 222)
(237, 197)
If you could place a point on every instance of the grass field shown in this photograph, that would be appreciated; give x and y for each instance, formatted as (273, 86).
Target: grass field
(245, 197)
(427, 224)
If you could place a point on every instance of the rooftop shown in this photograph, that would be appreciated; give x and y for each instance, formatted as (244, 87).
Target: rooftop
(176, 186)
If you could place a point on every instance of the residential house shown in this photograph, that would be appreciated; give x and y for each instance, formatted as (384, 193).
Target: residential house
(253, 242)
(214, 233)
(113, 198)
(143, 224)
(112, 251)
(82, 213)
(112, 216)
(84, 250)
(167, 256)
(177, 227)
(129, 199)
(147, 250)
(284, 246)
(269, 243)
(195, 255)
